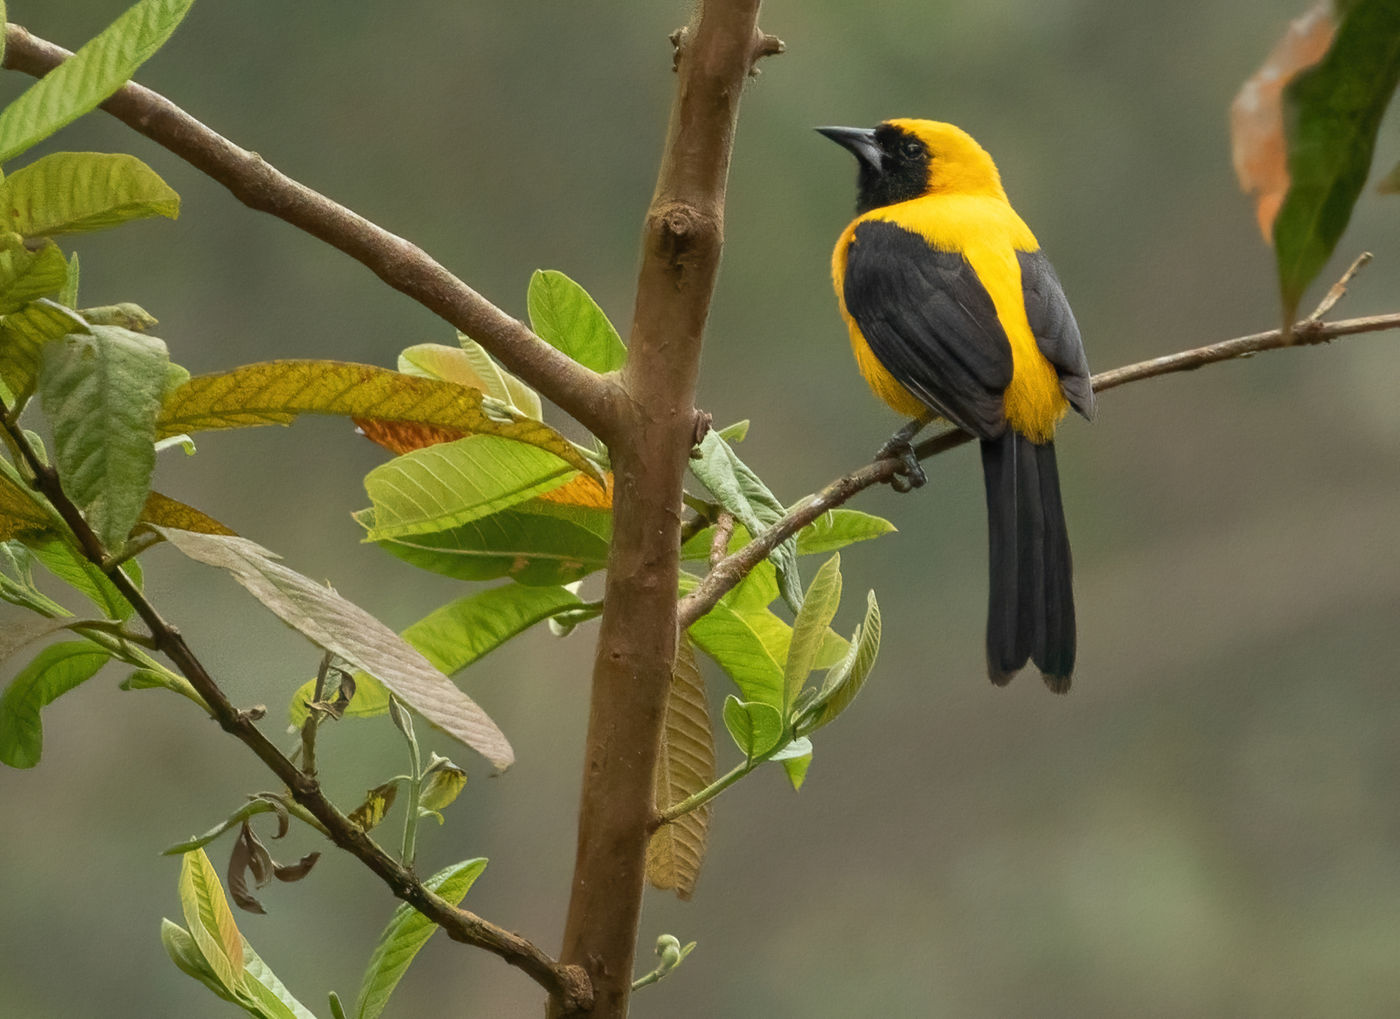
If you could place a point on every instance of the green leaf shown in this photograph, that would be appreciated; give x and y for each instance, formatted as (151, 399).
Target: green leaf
(750, 644)
(845, 680)
(456, 635)
(835, 529)
(351, 633)
(184, 953)
(102, 392)
(163, 679)
(1332, 112)
(737, 432)
(91, 75)
(54, 671)
(210, 921)
(77, 192)
(68, 296)
(470, 365)
(537, 543)
(24, 333)
(757, 728)
(273, 999)
(128, 315)
(564, 316)
(795, 758)
(407, 932)
(251, 809)
(29, 275)
(67, 564)
(830, 532)
(744, 494)
(810, 627)
(454, 483)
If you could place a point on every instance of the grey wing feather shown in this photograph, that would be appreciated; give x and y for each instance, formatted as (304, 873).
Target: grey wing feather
(1055, 330)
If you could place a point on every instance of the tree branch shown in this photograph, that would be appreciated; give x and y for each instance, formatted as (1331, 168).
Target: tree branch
(637, 639)
(587, 396)
(568, 983)
(725, 574)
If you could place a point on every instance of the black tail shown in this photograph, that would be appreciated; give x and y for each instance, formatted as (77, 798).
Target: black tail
(1030, 610)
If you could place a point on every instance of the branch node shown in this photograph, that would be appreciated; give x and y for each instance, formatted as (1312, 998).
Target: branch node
(765, 45)
(704, 421)
(678, 38)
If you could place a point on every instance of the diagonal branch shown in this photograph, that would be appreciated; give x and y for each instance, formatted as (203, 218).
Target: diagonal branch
(584, 394)
(567, 983)
(733, 568)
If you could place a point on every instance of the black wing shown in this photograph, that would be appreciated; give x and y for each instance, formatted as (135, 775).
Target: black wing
(1056, 332)
(931, 323)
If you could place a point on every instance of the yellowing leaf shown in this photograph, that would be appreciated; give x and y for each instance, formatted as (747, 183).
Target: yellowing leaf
(164, 511)
(76, 192)
(275, 392)
(21, 512)
(686, 765)
(210, 921)
(375, 806)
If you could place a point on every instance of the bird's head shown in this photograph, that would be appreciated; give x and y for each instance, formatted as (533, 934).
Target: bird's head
(905, 159)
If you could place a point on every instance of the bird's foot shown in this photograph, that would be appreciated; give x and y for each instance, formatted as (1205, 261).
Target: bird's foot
(909, 475)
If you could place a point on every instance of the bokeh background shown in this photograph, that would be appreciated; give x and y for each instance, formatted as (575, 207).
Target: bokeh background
(1208, 825)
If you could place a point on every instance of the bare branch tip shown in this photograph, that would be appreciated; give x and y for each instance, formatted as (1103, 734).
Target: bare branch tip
(764, 45)
(1339, 289)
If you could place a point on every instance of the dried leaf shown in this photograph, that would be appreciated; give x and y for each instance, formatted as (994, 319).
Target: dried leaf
(1258, 144)
(295, 871)
(249, 856)
(686, 765)
(345, 629)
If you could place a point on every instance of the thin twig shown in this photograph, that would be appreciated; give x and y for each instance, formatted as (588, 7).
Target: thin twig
(1339, 289)
(589, 397)
(725, 574)
(569, 983)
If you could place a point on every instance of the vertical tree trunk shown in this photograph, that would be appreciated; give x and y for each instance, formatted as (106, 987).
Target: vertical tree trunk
(650, 449)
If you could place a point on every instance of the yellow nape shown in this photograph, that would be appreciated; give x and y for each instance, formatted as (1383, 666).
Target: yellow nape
(958, 165)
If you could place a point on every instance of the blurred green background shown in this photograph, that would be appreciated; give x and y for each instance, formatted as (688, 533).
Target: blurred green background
(1206, 826)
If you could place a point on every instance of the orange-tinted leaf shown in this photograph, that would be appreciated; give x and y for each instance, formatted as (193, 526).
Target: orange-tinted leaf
(582, 491)
(1257, 136)
(404, 436)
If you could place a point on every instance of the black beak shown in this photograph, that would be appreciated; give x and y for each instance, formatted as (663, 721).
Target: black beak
(860, 141)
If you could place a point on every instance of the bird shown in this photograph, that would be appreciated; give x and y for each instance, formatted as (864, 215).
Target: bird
(954, 312)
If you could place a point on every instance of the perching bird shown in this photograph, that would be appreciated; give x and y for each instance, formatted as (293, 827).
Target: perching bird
(954, 312)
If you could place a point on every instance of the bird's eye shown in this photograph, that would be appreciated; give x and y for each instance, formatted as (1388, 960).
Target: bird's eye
(911, 149)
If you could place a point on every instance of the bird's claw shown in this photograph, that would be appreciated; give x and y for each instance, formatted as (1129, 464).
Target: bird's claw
(909, 475)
